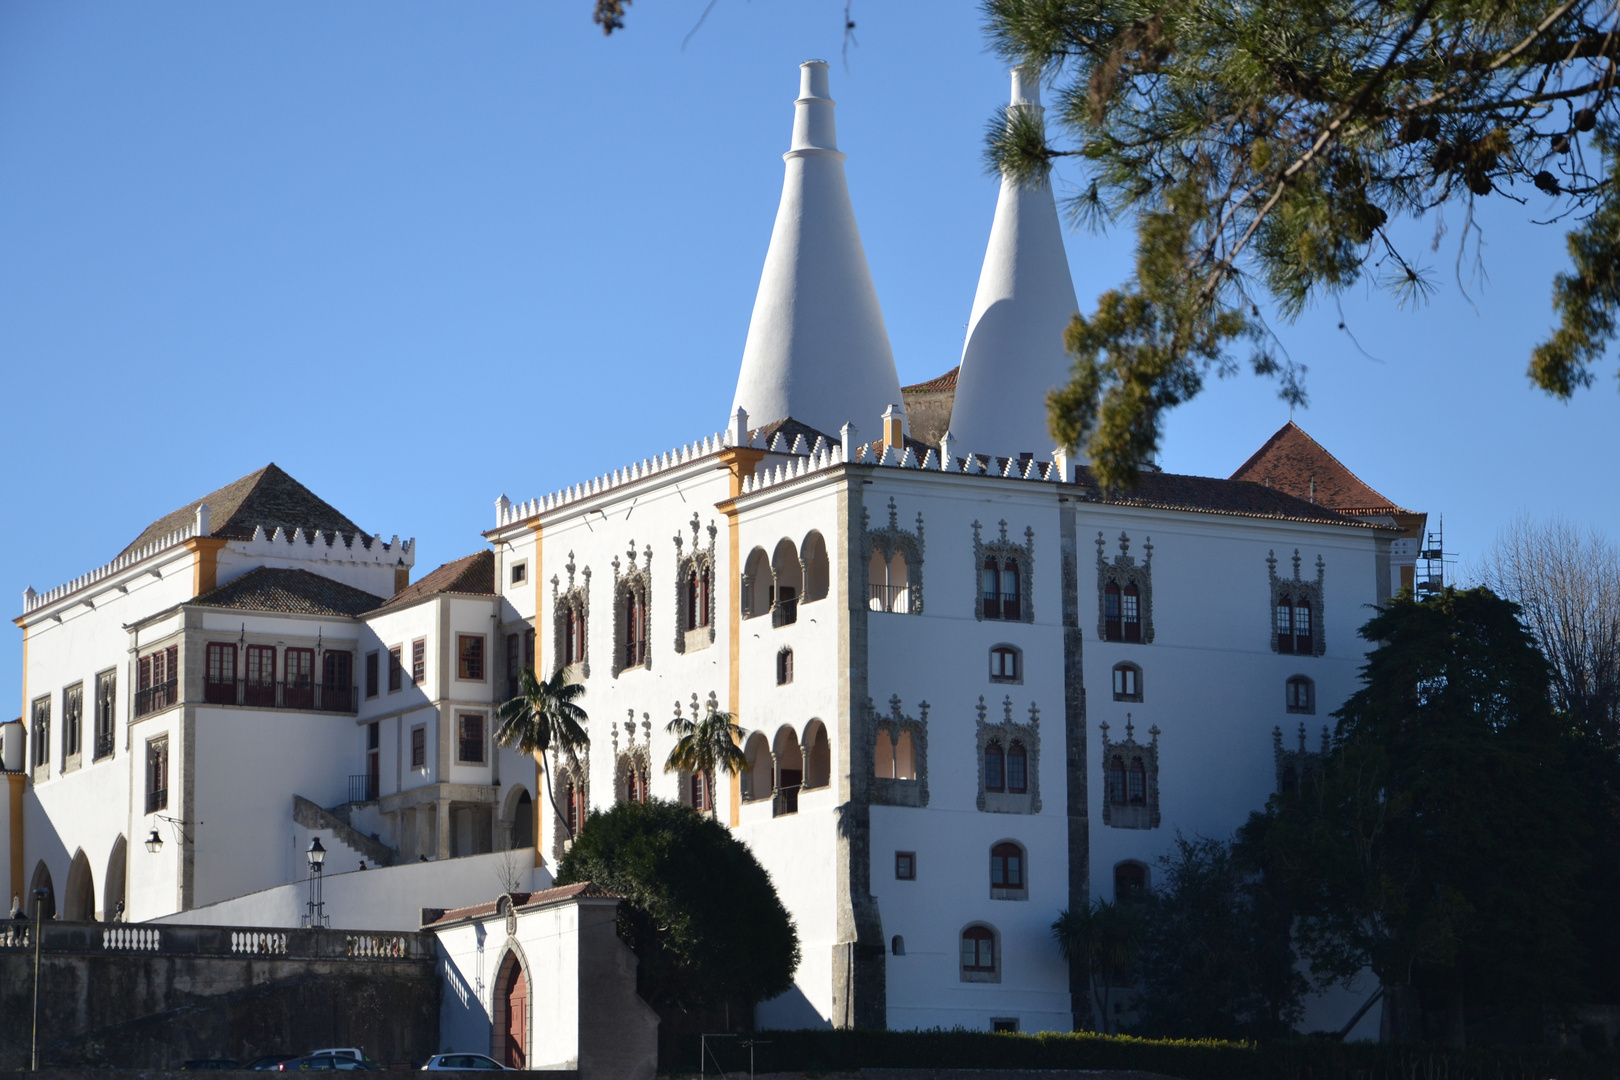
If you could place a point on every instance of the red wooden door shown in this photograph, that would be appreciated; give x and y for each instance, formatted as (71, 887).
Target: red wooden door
(517, 1020)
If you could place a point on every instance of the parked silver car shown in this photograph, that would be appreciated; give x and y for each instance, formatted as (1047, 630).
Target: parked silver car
(462, 1062)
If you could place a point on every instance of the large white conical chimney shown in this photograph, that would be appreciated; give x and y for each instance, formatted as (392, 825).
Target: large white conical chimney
(817, 349)
(1014, 350)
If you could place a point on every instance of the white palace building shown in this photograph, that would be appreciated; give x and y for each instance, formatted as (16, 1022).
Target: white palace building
(977, 688)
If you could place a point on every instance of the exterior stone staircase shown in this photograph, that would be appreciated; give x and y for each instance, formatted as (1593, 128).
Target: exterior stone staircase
(314, 816)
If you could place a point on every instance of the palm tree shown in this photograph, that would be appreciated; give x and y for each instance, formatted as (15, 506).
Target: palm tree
(704, 746)
(544, 715)
(1104, 938)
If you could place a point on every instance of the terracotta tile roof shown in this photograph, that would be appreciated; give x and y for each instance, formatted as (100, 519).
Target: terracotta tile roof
(790, 430)
(1293, 462)
(297, 591)
(1206, 494)
(473, 575)
(946, 381)
(268, 497)
(522, 900)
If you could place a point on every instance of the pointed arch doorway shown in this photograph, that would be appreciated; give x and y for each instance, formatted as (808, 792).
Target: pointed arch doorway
(511, 1015)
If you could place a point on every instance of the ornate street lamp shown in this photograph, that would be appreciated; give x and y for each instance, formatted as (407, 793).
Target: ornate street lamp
(316, 854)
(154, 842)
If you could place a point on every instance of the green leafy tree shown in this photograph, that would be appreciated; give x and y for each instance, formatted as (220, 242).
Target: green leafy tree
(1215, 960)
(1263, 147)
(1101, 940)
(704, 747)
(699, 912)
(1440, 841)
(544, 716)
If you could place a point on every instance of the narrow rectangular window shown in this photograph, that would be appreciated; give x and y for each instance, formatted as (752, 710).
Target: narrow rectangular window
(514, 665)
(419, 661)
(418, 748)
(42, 730)
(72, 720)
(528, 649)
(106, 713)
(905, 865)
(470, 657)
(259, 688)
(337, 680)
(298, 678)
(373, 673)
(219, 673)
(472, 739)
(157, 774)
(396, 669)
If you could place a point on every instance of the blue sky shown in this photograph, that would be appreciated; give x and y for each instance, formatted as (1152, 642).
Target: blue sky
(422, 254)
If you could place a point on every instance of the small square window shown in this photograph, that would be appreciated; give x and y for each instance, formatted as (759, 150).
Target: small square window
(520, 573)
(905, 866)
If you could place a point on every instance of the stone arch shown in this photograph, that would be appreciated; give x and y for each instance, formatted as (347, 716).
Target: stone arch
(511, 1036)
(79, 897)
(757, 584)
(46, 909)
(113, 890)
(517, 818)
(760, 775)
(817, 574)
(817, 755)
(788, 573)
(789, 770)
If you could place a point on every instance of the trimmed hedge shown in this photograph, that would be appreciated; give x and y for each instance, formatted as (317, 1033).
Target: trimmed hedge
(821, 1051)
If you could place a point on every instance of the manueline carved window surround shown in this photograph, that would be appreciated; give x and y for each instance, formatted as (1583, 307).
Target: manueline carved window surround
(1130, 779)
(888, 542)
(573, 601)
(632, 589)
(1006, 733)
(570, 773)
(890, 791)
(700, 560)
(1128, 580)
(1294, 767)
(632, 769)
(1301, 593)
(1006, 554)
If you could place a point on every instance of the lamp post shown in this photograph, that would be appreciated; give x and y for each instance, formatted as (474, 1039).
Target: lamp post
(317, 908)
(39, 920)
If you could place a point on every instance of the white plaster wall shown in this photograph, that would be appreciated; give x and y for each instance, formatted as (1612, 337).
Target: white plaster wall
(472, 957)
(382, 898)
(91, 806)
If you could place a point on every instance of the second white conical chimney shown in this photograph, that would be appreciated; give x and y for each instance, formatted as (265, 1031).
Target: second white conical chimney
(817, 348)
(1014, 350)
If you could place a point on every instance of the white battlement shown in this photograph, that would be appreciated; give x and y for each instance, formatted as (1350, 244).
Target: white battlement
(508, 512)
(328, 546)
(32, 601)
(331, 547)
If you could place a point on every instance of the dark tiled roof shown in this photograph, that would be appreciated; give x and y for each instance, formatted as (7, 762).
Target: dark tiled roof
(523, 900)
(1293, 462)
(790, 429)
(297, 591)
(1171, 491)
(473, 575)
(946, 381)
(268, 497)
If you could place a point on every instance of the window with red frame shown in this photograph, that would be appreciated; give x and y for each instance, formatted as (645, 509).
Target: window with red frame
(1006, 866)
(470, 657)
(978, 949)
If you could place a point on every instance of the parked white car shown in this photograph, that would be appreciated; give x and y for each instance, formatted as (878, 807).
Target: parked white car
(462, 1062)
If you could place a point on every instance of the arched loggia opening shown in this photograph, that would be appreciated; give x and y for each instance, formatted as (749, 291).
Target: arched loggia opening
(79, 898)
(113, 890)
(46, 909)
